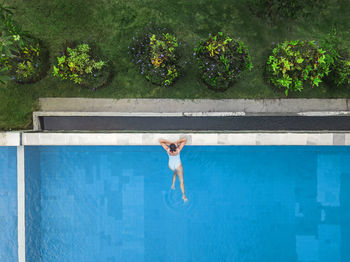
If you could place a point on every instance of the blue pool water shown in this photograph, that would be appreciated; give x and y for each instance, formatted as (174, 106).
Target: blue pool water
(8, 204)
(246, 204)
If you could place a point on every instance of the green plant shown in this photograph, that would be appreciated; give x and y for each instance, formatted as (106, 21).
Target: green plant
(29, 64)
(294, 63)
(340, 68)
(78, 65)
(8, 46)
(10, 29)
(155, 52)
(221, 60)
(14, 29)
(14, 45)
(29, 57)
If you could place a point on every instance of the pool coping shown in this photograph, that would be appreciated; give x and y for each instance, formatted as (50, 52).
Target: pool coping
(30, 138)
(21, 217)
(10, 138)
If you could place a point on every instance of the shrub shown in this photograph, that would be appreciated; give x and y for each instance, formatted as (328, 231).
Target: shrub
(221, 60)
(340, 68)
(29, 65)
(341, 71)
(22, 57)
(156, 53)
(274, 10)
(295, 63)
(79, 64)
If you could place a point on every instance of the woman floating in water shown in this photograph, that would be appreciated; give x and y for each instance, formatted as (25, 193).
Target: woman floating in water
(173, 150)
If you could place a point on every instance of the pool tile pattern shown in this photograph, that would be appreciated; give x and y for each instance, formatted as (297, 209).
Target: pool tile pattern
(246, 204)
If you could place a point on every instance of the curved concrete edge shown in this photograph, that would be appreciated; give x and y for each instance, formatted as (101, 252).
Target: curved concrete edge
(195, 139)
(10, 138)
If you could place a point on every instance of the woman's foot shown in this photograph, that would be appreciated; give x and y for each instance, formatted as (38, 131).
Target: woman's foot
(184, 198)
(173, 187)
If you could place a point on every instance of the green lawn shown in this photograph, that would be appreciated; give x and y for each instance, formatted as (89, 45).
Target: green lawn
(111, 23)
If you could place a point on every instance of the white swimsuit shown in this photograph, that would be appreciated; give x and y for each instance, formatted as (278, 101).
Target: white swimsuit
(174, 161)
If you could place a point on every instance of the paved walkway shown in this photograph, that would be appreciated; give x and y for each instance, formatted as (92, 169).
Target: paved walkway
(248, 106)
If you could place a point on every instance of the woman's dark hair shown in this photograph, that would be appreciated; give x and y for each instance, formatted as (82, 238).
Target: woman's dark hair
(172, 147)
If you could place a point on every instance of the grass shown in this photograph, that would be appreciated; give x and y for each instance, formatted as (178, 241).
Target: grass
(112, 23)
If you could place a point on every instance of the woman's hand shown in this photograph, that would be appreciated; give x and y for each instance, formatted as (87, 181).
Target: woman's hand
(182, 140)
(163, 141)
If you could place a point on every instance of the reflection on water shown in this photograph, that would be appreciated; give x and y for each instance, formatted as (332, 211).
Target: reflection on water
(245, 204)
(321, 240)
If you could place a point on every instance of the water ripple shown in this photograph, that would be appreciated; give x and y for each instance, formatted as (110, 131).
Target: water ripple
(173, 201)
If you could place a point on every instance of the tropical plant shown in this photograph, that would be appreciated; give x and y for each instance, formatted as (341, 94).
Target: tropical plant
(222, 60)
(80, 65)
(13, 40)
(341, 72)
(29, 64)
(295, 63)
(155, 51)
(8, 46)
(340, 69)
(14, 29)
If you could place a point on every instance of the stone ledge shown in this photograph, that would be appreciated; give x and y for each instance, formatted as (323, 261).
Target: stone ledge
(248, 106)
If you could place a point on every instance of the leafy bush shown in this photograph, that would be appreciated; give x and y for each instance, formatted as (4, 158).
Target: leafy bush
(274, 10)
(155, 51)
(29, 64)
(340, 68)
(221, 60)
(22, 57)
(341, 72)
(295, 63)
(80, 65)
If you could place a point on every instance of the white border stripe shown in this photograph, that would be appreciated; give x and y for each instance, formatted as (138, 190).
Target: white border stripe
(9, 138)
(21, 204)
(258, 138)
(325, 113)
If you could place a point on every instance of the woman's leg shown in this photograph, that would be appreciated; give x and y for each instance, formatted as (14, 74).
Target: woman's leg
(180, 172)
(174, 179)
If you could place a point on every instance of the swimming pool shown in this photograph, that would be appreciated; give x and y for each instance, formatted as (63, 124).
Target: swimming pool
(8, 204)
(246, 203)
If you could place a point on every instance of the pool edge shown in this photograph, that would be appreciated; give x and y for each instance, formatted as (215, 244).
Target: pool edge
(195, 139)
